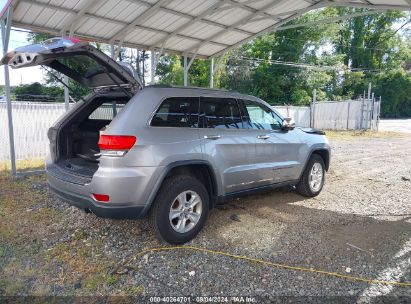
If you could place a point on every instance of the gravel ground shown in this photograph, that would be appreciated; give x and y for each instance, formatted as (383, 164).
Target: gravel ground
(360, 225)
(395, 125)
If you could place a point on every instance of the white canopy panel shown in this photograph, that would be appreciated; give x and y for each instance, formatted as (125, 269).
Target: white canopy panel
(202, 27)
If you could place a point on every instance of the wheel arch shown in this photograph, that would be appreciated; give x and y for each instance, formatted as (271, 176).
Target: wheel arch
(200, 169)
(325, 155)
(323, 152)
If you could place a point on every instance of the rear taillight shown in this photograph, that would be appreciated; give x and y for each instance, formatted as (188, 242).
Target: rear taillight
(116, 145)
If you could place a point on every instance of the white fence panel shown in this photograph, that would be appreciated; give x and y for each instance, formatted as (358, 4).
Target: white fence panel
(31, 122)
(300, 115)
(337, 115)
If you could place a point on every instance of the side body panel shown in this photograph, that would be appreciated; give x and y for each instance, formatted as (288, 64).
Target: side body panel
(278, 158)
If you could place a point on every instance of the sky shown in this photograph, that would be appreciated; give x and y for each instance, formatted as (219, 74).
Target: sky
(27, 75)
(20, 76)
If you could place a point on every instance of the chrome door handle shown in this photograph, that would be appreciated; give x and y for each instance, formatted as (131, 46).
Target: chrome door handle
(263, 136)
(213, 137)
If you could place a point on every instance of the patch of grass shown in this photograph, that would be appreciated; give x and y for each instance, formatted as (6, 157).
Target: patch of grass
(24, 165)
(135, 290)
(14, 288)
(98, 280)
(46, 214)
(59, 252)
(93, 282)
(111, 280)
(7, 233)
(358, 134)
(2, 212)
(80, 234)
(84, 252)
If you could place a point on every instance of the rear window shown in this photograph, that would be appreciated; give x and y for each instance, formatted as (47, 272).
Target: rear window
(220, 113)
(180, 112)
(107, 111)
(83, 65)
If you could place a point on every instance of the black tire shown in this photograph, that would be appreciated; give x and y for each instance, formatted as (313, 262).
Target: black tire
(303, 187)
(166, 197)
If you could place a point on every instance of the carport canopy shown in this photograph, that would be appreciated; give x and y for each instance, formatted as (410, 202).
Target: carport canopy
(192, 28)
(206, 28)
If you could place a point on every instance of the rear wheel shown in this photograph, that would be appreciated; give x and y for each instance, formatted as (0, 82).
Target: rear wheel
(312, 179)
(180, 209)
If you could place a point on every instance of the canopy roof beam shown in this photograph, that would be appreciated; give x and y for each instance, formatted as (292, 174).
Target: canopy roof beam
(50, 31)
(250, 9)
(140, 19)
(72, 23)
(200, 17)
(188, 16)
(238, 23)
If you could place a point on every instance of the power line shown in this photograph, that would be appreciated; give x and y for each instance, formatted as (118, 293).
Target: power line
(301, 65)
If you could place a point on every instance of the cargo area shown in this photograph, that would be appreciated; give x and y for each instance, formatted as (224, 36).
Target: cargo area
(74, 142)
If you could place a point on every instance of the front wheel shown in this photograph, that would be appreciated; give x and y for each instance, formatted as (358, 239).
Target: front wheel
(180, 209)
(312, 179)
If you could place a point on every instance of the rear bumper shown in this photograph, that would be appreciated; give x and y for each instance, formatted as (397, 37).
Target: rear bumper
(114, 212)
(76, 195)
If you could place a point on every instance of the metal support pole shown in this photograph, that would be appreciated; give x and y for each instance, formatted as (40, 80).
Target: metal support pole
(112, 51)
(368, 107)
(152, 67)
(185, 71)
(212, 73)
(313, 107)
(372, 111)
(66, 94)
(378, 114)
(362, 111)
(5, 35)
(114, 105)
(369, 91)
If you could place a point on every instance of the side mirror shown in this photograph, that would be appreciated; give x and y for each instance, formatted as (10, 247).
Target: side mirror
(288, 124)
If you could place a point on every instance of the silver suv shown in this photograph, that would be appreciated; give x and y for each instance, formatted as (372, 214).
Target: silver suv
(170, 152)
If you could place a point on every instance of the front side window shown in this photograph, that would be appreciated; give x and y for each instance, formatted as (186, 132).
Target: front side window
(220, 113)
(178, 112)
(258, 116)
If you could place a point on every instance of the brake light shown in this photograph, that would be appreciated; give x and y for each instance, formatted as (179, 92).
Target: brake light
(116, 145)
(74, 40)
(101, 197)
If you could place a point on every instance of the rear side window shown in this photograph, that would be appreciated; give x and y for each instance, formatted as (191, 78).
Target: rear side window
(220, 113)
(107, 111)
(180, 112)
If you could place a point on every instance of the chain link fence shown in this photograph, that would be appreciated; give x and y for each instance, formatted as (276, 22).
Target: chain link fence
(32, 120)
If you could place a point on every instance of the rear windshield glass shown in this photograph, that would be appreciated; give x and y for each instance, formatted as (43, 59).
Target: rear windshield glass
(179, 112)
(83, 65)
